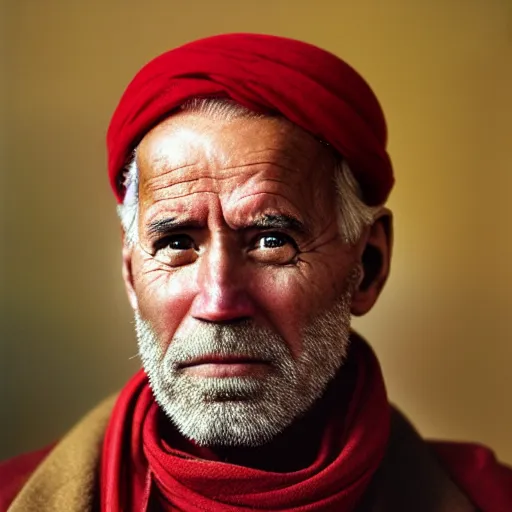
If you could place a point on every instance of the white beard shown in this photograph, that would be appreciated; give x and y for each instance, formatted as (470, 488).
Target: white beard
(244, 411)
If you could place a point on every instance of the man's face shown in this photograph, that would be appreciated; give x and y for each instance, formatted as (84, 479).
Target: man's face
(240, 280)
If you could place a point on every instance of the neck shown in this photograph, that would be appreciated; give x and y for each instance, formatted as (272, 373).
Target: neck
(295, 448)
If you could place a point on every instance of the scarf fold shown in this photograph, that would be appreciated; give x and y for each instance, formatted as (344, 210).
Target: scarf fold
(137, 463)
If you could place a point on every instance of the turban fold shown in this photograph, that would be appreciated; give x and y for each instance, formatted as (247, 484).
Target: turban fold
(307, 85)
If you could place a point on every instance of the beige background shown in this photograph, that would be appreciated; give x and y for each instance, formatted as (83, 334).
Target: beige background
(443, 72)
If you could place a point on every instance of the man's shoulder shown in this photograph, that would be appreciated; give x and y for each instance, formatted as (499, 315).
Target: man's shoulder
(16, 471)
(46, 476)
(411, 463)
(445, 474)
(475, 468)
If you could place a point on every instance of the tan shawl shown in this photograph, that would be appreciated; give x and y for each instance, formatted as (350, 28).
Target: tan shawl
(409, 479)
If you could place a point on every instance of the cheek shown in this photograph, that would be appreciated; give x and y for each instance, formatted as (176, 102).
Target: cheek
(164, 298)
(290, 298)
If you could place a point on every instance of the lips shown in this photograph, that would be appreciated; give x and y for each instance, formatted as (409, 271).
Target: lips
(225, 366)
(221, 360)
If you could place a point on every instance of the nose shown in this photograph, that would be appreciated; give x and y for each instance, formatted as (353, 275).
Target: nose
(223, 295)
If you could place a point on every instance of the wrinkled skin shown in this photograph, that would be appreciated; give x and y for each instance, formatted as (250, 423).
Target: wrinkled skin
(237, 221)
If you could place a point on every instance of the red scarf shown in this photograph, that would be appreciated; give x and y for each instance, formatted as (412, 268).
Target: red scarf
(139, 466)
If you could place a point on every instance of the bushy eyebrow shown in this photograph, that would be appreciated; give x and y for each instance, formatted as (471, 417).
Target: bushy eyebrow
(286, 222)
(279, 222)
(168, 224)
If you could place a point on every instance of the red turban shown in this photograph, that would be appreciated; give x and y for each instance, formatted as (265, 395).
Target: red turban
(310, 87)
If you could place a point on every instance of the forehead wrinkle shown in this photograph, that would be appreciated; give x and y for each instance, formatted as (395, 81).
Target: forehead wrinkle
(162, 182)
(194, 185)
(289, 161)
(181, 196)
(163, 169)
(169, 186)
(285, 159)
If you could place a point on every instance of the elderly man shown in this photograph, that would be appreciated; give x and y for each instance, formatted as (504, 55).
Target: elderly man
(251, 173)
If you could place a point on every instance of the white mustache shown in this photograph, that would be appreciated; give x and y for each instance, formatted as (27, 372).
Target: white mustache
(241, 341)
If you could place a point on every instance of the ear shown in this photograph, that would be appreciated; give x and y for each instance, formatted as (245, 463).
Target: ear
(128, 273)
(375, 262)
